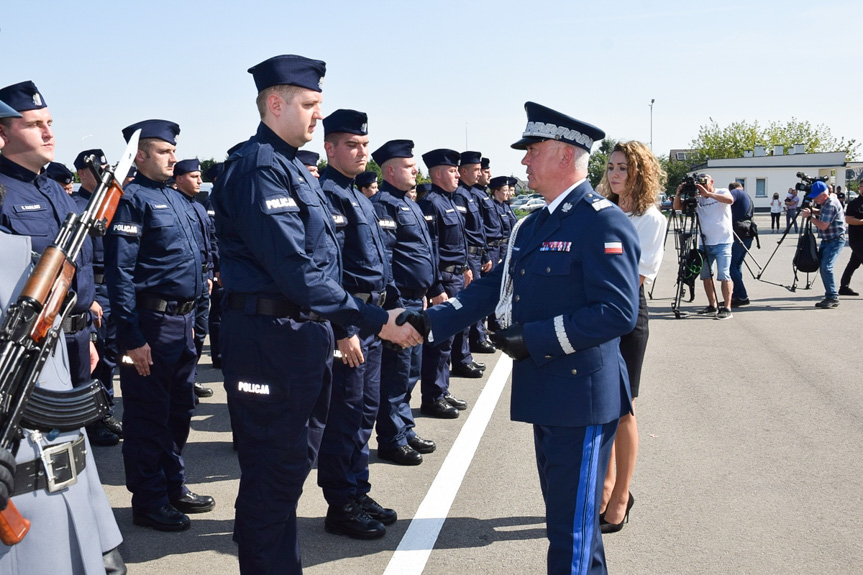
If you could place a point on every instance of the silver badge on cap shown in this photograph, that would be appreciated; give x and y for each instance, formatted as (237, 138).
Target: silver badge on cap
(37, 99)
(321, 83)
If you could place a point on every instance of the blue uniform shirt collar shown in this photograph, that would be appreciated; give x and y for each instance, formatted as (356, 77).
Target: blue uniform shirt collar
(266, 136)
(143, 180)
(441, 191)
(16, 171)
(388, 187)
(86, 194)
(559, 199)
(339, 178)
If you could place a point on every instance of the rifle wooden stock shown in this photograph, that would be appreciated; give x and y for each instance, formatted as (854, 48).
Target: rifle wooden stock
(13, 527)
(108, 207)
(48, 285)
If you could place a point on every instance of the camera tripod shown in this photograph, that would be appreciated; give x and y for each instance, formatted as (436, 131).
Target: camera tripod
(690, 259)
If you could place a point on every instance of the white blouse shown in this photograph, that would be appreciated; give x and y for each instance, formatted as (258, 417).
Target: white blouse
(651, 235)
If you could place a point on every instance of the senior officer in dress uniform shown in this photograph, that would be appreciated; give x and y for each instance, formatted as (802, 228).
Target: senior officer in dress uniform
(153, 271)
(187, 178)
(570, 289)
(36, 206)
(282, 272)
(446, 228)
(109, 431)
(414, 269)
(343, 462)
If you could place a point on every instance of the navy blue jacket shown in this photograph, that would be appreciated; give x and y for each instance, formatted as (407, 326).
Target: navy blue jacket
(150, 248)
(468, 205)
(490, 217)
(575, 292)
(507, 217)
(446, 228)
(36, 206)
(276, 234)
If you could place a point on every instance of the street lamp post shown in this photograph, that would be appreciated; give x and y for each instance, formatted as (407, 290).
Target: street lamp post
(652, 100)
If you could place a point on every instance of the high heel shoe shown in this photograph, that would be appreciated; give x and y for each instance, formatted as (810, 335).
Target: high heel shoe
(607, 527)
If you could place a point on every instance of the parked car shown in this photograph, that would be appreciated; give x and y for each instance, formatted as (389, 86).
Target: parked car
(518, 203)
(533, 205)
(666, 201)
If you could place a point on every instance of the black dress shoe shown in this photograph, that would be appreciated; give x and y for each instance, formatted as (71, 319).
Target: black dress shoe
(402, 455)
(194, 503)
(440, 409)
(202, 391)
(374, 510)
(422, 445)
(113, 425)
(482, 347)
(461, 370)
(479, 365)
(457, 403)
(846, 290)
(165, 519)
(101, 435)
(352, 521)
(217, 363)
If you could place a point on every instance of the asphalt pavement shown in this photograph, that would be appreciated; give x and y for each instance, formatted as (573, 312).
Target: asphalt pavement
(749, 462)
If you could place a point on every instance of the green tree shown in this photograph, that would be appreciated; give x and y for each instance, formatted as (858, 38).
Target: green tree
(207, 164)
(675, 170)
(599, 161)
(716, 142)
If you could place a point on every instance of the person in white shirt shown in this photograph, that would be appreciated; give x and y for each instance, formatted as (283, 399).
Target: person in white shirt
(633, 180)
(775, 212)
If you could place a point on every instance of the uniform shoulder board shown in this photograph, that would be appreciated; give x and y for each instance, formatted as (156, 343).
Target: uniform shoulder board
(264, 157)
(597, 202)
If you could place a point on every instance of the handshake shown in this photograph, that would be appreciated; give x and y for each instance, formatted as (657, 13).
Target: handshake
(408, 328)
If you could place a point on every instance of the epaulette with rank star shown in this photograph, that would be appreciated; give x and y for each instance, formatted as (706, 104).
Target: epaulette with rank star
(597, 202)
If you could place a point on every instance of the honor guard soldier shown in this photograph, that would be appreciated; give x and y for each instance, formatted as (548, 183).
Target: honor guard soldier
(310, 161)
(214, 319)
(414, 268)
(468, 202)
(570, 291)
(446, 228)
(36, 206)
(62, 175)
(109, 431)
(282, 272)
(187, 176)
(153, 271)
(343, 463)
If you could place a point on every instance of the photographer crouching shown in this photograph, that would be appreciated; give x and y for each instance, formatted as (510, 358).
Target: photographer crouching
(829, 218)
(714, 214)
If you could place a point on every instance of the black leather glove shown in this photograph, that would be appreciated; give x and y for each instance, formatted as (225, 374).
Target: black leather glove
(419, 320)
(7, 477)
(511, 342)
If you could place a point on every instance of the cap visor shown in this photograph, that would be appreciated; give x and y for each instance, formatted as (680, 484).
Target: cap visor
(525, 142)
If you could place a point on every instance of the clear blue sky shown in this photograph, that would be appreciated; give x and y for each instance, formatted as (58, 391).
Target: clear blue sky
(439, 72)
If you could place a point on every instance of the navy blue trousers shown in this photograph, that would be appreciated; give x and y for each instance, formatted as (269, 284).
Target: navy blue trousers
(214, 321)
(157, 411)
(106, 344)
(462, 340)
(400, 371)
(434, 382)
(343, 462)
(572, 462)
(276, 372)
(78, 347)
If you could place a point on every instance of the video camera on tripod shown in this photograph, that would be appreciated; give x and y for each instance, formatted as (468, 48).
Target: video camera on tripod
(689, 191)
(805, 186)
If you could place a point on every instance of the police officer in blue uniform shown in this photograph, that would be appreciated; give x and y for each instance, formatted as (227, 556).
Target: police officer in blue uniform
(414, 268)
(61, 174)
(343, 462)
(367, 183)
(507, 219)
(310, 160)
(153, 272)
(491, 221)
(36, 206)
(109, 431)
(570, 292)
(187, 178)
(445, 224)
(282, 273)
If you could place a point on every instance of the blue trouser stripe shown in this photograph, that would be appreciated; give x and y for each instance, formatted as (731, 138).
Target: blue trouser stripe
(585, 506)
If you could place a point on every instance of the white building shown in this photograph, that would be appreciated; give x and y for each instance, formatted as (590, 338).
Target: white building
(762, 175)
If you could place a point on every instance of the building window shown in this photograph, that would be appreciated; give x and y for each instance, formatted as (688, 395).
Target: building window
(760, 188)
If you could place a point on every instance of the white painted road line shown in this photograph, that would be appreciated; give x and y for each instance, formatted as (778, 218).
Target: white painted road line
(414, 549)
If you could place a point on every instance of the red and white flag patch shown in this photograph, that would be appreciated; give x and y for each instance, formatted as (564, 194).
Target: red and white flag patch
(613, 247)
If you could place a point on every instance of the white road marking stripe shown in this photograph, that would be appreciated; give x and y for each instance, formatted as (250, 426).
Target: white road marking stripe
(414, 549)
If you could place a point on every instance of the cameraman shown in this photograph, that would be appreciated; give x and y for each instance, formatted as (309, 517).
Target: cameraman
(744, 232)
(831, 226)
(714, 216)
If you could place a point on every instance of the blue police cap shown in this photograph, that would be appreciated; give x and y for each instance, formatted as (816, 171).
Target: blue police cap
(7, 111)
(133, 171)
(366, 179)
(59, 173)
(160, 129)
(289, 69)
(471, 158)
(423, 188)
(235, 147)
(79, 162)
(347, 121)
(214, 171)
(498, 182)
(817, 189)
(186, 166)
(546, 124)
(485, 163)
(308, 158)
(441, 157)
(23, 96)
(393, 149)
(512, 181)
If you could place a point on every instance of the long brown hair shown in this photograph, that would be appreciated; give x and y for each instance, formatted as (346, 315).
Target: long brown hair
(645, 177)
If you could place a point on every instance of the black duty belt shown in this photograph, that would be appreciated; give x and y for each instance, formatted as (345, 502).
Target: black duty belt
(377, 299)
(454, 269)
(57, 469)
(271, 307)
(412, 293)
(495, 243)
(474, 250)
(504, 241)
(154, 303)
(98, 279)
(75, 322)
